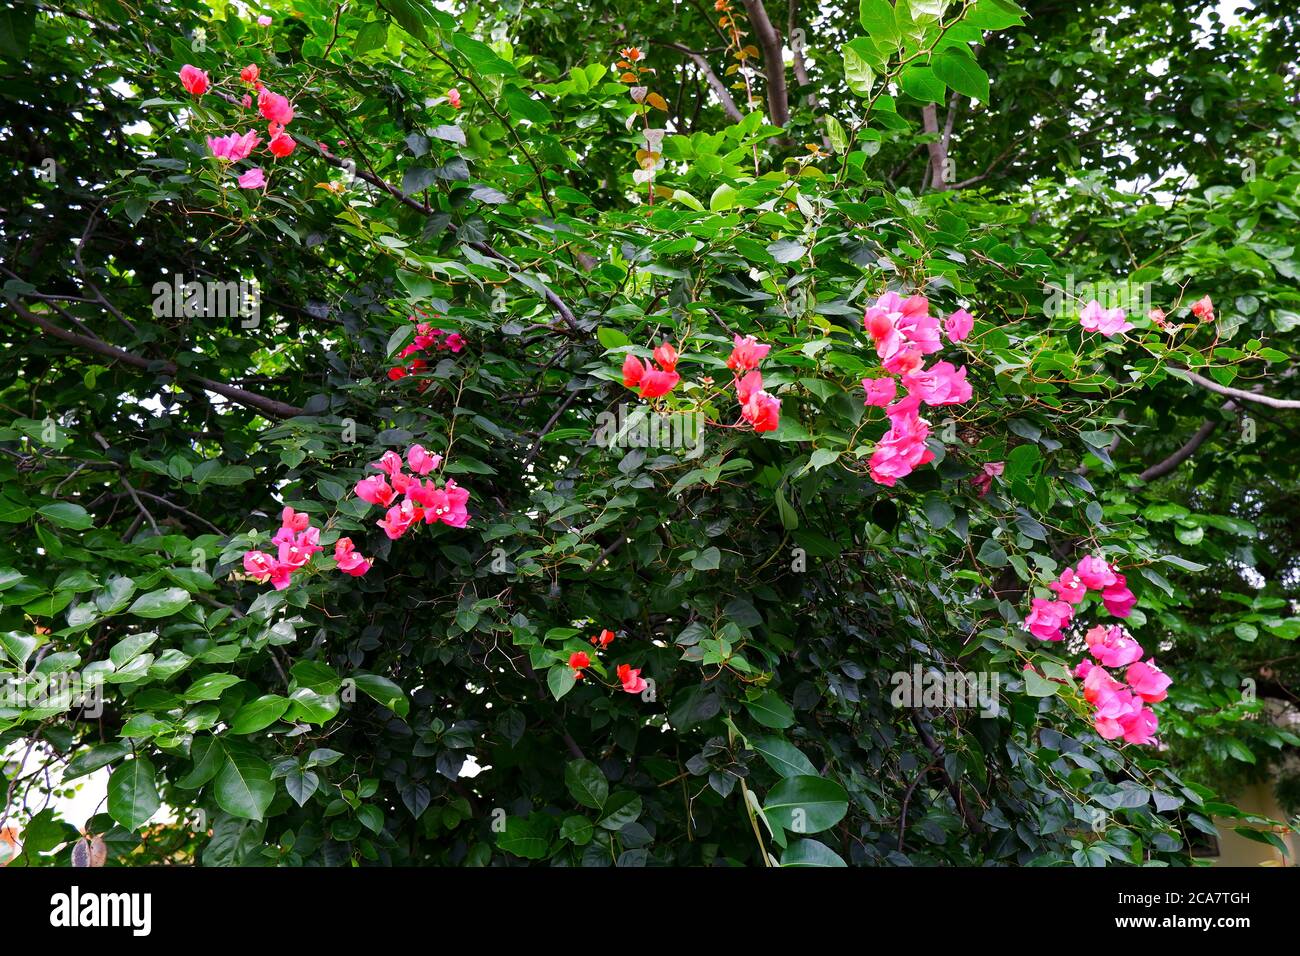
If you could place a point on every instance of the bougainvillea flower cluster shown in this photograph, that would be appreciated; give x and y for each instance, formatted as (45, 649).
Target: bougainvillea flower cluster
(904, 332)
(295, 542)
(421, 500)
(628, 676)
(653, 382)
(1119, 710)
(426, 338)
(237, 146)
(1108, 322)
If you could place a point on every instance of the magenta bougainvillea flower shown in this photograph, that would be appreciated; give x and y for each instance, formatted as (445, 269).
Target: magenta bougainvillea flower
(253, 179)
(233, 147)
(1108, 322)
(194, 80)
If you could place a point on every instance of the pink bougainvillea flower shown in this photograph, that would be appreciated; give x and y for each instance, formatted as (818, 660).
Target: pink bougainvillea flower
(233, 147)
(390, 463)
(194, 80)
(274, 107)
(1083, 668)
(374, 490)
(578, 660)
(958, 325)
(348, 560)
(281, 146)
(1070, 587)
(294, 520)
(902, 449)
(399, 518)
(1047, 618)
(603, 639)
(453, 97)
(1139, 725)
(763, 411)
(1203, 309)
(445, 504)
(904, 361)
(655, 384)
(631, 679)
(942, 384)
(265, 568)
(264, 20)
(983, 482)
(1097, 683)
(746, 353)
(246, 102)
(250, 73)
(1095, 573)
(453, 342)
(1113, 710)
(1108, 322)
(1112, 646)
(880, 391)
(421, 461)
(1119, 600)
(633, 371)
(1148, 681)
(748, 386)
(253, 179)
(1157, 315)
(666, 356)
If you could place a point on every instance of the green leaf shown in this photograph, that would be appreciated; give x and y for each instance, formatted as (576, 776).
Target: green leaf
(132, 794)
(770, 710)
(243, 786)
(783, 757)
(66, 515)
(385, 691)
(258, 714)
(560, 680)
(810, 853)
(959, 70)
(806, 804)
(163, 602)
(586, 783)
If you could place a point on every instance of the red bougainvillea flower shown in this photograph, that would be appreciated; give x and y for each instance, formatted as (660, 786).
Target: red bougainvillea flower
(1070, 588)
(1097, 683)
(294, 520)
(578, 660)
(1047, 618)
(1203, 309)
(1119, 600)
(1095, 573)
(746, 353)
(446, 504)
(233, 147)
(666, 356)
(253, 179)
(631, 54)
(348, 560)
(250, 73)
(631, 679)
(880, 391)
(749, 386)
(958, 325)
(633, 371)
(246, 102)
(763, 411)
(421, 461)
(282, 145)
(1112, 646)
(603, 639)
(194, 80)
(274, 107)
(396, 372)
(656, 384)
(375, 490)
(453, 97)
(1148, 681)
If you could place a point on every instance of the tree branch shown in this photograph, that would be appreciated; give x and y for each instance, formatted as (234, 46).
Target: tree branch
(1163, 468)
(1235, 392)
(268, 406)
(769, 40)
(716, 85)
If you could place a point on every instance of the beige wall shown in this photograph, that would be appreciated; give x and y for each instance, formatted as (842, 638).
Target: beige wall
(1236, 850)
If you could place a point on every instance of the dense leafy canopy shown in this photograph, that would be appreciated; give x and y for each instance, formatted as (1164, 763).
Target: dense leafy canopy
(745, 169)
